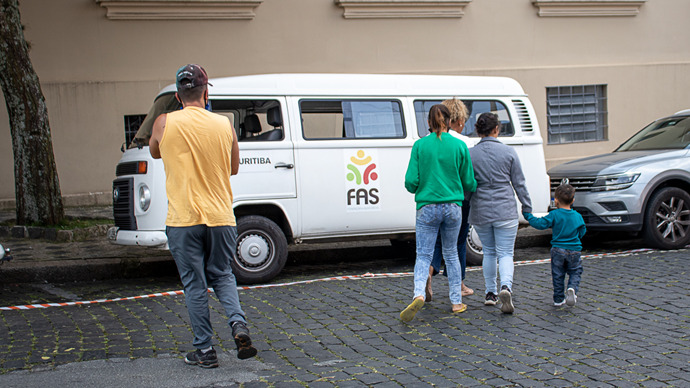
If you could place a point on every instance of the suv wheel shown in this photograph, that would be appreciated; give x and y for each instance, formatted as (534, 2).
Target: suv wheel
(667, 219)
(261, 250)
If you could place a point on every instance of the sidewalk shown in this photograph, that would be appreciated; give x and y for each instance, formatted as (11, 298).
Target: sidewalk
(90, 256)
(87, 256)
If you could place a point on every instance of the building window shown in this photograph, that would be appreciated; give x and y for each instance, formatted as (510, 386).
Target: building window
(576, 114)
(132, 124)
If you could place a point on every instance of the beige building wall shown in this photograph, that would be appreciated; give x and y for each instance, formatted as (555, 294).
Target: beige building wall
(94, 70)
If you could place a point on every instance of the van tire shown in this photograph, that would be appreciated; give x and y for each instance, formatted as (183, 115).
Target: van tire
(666, 219)
(473, 249)
(261, 250)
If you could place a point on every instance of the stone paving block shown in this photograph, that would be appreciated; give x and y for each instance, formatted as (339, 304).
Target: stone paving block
(598, 343)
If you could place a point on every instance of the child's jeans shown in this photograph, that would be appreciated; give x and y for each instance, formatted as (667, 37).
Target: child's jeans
(565, 261)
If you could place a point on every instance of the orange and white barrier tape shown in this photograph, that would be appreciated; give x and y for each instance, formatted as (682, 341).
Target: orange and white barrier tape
(259, 286)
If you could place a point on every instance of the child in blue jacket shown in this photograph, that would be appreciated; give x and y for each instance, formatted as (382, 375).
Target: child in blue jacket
(568, 227)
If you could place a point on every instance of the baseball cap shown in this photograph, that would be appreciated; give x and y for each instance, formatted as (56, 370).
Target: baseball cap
(191, 76)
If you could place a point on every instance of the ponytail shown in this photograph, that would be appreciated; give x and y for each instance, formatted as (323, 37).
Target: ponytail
(439, 119)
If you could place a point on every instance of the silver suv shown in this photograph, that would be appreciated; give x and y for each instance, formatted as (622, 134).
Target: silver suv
(642, 186)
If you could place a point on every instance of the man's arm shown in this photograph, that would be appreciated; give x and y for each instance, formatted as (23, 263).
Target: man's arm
(156, 136)
(234, 153)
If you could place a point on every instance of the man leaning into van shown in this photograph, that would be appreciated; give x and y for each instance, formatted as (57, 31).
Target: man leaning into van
(199, 151)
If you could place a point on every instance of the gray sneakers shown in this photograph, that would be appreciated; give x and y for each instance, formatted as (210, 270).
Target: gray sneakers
(506, 300)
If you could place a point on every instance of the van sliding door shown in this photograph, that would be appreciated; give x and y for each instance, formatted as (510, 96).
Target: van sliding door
(352, 156)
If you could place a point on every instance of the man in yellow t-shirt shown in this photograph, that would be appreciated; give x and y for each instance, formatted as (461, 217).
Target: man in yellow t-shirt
(200, 152)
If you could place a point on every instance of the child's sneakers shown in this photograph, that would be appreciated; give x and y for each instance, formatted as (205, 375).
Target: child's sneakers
(490, 299)
(570, 297)
(559, 304)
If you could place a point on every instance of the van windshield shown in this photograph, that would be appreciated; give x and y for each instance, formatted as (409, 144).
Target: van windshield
(665, 134)
(165, 103)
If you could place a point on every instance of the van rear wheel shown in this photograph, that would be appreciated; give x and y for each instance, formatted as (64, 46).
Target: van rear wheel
(473, 249)
(261, 250)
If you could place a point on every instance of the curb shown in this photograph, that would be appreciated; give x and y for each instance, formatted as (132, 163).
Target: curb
(87, 269)
(52, 234)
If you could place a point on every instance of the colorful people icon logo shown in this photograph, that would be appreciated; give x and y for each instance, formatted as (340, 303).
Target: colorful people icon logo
(355, 175)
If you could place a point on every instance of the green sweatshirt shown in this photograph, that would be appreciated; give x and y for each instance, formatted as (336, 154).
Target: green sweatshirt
(440, 170)
(567, 226)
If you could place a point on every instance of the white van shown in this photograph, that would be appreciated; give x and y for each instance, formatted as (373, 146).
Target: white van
(322, 157)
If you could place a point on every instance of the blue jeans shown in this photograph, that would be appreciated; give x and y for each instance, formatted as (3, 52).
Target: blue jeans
(446, 218)
(565, 261)
(498, 243)
(202, 255)
(462, 243)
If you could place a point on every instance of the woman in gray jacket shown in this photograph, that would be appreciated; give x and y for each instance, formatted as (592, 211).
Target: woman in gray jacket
(493, 211)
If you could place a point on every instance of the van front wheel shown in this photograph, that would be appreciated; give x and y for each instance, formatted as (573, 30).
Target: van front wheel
(261, 250)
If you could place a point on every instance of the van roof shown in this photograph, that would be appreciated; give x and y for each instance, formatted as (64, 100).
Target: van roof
(362, 85)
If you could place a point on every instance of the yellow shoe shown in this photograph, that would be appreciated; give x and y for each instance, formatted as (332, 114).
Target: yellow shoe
(411, 310)
(459, 308)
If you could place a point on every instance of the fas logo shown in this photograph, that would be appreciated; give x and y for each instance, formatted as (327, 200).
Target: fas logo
(362, 180)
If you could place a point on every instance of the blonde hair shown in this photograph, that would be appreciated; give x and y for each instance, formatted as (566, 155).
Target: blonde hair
(458, 110)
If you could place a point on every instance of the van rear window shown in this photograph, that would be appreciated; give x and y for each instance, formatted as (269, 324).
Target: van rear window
(351, 119)
(474, 109)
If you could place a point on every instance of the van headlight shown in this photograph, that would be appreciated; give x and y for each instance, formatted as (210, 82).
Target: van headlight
(614, 182)
(144, 197)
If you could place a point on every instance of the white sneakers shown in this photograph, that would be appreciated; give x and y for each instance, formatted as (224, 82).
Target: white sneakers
(570, 297)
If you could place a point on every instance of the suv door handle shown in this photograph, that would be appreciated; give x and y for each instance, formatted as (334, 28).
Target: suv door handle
(284, 165)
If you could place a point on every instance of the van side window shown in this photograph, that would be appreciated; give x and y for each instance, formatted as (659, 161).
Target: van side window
(474, 109)
(254, 120)
(351, 119)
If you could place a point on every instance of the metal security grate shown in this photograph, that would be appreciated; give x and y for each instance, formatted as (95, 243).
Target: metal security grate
(123, 204)
(523, 116)
(576, 113)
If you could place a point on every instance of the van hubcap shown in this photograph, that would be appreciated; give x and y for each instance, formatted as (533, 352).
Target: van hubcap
(673, 219)
(254, 250)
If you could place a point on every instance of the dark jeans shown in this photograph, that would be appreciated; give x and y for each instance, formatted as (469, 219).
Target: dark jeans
(203, 255)
(565, 261)
(462, 243)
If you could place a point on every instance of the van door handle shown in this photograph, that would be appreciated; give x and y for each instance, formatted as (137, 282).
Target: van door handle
(285, 165)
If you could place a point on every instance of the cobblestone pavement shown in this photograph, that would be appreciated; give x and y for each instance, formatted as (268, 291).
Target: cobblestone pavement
(630, 327)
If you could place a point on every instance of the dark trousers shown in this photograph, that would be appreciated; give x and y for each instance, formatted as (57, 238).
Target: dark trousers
(565, 261)
(202, 255)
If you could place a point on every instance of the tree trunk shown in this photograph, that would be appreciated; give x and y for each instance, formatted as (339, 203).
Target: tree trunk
(37, 188)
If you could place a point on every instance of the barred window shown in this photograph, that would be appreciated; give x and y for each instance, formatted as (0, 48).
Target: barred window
(576, 114)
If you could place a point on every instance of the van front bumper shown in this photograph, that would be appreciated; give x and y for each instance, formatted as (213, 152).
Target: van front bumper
(149, 238)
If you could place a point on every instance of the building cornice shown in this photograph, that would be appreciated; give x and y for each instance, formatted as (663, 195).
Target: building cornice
(575, 8)
(400, 9)
(180, 9)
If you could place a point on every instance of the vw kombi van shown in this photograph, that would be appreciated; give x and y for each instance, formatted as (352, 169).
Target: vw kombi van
(322, 157)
